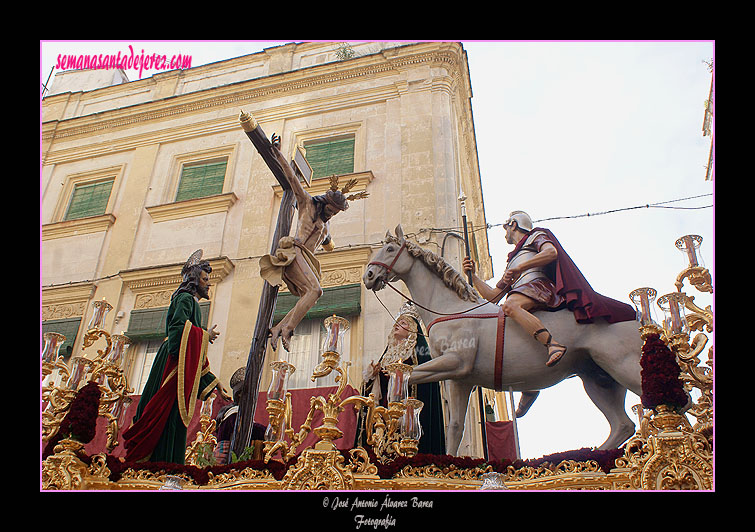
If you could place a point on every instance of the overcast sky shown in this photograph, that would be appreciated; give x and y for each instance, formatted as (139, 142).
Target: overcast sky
(565, 129)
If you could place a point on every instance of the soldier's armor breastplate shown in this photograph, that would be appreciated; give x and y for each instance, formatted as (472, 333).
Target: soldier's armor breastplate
(525, 253)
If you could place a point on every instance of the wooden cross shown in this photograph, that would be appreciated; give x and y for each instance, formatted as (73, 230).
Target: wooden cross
(242, 434)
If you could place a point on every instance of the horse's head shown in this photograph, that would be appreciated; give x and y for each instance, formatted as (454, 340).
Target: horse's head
(389, 262)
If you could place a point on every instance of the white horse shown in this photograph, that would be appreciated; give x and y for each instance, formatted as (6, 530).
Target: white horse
(463, 342)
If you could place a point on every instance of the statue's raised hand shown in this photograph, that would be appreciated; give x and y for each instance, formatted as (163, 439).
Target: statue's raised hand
(275, 140)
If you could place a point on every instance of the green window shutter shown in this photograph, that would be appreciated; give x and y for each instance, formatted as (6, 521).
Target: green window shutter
(201, 180)
(67, 327)
(149, 324)
(341, 300)
(89, 199)
(331, 157)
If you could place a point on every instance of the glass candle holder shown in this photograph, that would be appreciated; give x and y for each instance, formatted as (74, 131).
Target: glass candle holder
(410, 425)
(639, 411)
(282, 370)
(689, 245)
(207, 406)
(79, 367)
(118, 410)
(643, 299)
(398, 382)
(674, 321)
(51, 349)
(335, 327)
(119, 346)
(275, 435)
(101, 308)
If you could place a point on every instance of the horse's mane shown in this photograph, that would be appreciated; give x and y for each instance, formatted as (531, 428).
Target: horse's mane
(438, 265)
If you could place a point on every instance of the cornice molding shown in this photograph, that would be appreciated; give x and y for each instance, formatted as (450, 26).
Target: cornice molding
(82, 226)
(140, 280)
(68, 293)
(351, 257)
(388, 61)
(192, 207)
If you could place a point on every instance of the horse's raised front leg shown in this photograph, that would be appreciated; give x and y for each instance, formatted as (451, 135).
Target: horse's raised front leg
(456, 359)
(445, 367)
(457, 412)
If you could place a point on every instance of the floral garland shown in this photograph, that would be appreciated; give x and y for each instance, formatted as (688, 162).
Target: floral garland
(80, 423)
(605, 459)
(661, 384)
(199, 475)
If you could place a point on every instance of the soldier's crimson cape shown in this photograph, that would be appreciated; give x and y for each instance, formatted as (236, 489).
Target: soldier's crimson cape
(586, 304)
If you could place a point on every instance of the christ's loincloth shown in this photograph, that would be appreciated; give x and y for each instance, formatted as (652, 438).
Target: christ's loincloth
(273, 267)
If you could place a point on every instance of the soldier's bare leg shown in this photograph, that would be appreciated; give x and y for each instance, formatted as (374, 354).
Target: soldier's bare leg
(518, 307)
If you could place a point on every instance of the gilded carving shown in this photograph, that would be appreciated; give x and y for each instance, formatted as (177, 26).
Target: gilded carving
(242, 475)
(319, 470)
(63, 470)
(670, 456)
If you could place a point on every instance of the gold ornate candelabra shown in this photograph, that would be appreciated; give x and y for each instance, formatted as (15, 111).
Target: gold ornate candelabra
(668, 452)
(391, 432)
(200, 452)
(105, 369)
(395, 430)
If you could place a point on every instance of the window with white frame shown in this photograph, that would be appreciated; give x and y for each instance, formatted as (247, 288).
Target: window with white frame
(306, 343)
(306, 346)
(143, 356)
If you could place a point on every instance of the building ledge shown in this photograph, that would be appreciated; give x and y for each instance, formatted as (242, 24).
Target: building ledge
(82, 226)
(147, 278)
(192, 207)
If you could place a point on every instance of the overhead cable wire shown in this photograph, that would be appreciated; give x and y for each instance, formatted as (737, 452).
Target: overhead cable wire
(658, 205)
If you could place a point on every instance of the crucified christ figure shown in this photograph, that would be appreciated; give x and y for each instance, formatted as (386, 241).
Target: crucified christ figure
(294, 262)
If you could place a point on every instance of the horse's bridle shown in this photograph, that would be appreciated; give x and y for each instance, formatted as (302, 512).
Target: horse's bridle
(389, 268)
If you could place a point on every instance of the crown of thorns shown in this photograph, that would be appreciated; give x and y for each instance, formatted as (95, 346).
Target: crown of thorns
(351, 183)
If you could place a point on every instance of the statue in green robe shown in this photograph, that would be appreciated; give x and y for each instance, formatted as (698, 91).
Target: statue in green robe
(180, 374)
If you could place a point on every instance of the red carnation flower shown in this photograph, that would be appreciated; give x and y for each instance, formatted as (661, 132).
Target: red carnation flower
(660, 375)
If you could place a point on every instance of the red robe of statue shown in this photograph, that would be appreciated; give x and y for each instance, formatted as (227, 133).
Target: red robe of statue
(179, 384)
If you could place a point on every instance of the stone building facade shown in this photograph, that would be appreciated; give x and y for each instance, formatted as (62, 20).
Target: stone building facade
(135, 176)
